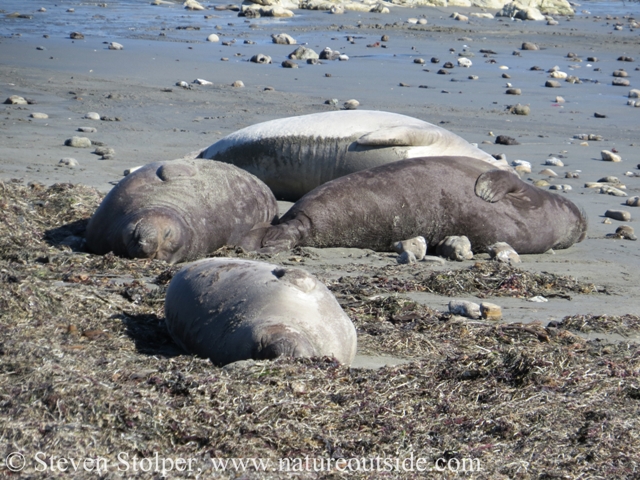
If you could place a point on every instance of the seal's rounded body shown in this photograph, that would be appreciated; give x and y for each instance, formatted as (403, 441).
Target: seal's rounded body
(294, 155)
(433, 197)
(179, 210)
(230, 309)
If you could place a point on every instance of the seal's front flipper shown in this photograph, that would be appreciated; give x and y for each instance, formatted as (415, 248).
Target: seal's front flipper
(494, 185)
(172, 171)
(401, 136)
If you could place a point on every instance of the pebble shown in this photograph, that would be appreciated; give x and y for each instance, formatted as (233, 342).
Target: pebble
(455, 248)
(238, 84)
(283, 39)
(435, 60)
(15, 100)
(104, 151)
(68, 162)
(351, 104)
(609, 156)
(289, 64)
(417, 246)
(490, 311)
(520, 109)
(556, 162)
(464, 308)
(506, 140)
(503, 252)
(260, 58)
(384, 38)
(78, 142)
(633, 201)
(115, 46)
(39, 116)
(620, 73)
(548, 172)
(406, 258)
(87, 129)
(514, 91)
(552, 84)
(621, 215)
(92, 116)
(541, 183)
(559, 100)
(303, 53)
(213, 38)
(529, 46)
(412, 21)
(419, 61)
(621, 82)
(343, 57)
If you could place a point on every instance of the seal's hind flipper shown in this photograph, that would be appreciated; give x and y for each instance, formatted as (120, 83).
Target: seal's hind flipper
(492, 186)
(400, 136)
(172, 171)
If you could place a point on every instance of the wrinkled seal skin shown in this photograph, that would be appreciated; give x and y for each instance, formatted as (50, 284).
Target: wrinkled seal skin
(179, 210)
(294, 155)
(229, 309)
(433, 197)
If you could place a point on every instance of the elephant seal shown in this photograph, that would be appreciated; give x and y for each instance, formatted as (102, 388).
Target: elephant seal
(179, 210)
(294, 155)
(228, 309)
(434, 197)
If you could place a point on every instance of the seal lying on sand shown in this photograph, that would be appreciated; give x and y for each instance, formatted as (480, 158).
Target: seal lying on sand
(179, 210)
(433, 197)
(294, 155)
(229, 309)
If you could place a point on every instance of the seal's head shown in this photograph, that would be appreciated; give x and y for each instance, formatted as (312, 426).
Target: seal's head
(159, 234)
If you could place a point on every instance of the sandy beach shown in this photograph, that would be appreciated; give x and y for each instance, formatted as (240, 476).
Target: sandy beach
(147, 117)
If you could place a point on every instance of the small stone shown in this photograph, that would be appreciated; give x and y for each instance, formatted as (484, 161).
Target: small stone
(435, 60)
(559, 100)
(552, 84)
(541, 183)
(529, 46)
(238, 84)
(412, 21)
(520, 109)
(78, 142)
(87, 129)
(503, 252)
(473, 77)
(609, 156)
(289, 64)
(633, 201)
(15, 100)
(455, 248)
(213, 38)
(514, 91)
(599, 115)
(620, 73)
(39, 116)
(351, 104)
(556, 162)
(621, 215)
(523, 169)
(417, 246)
(620, 82)
(343, 57)
(115, 46)
(92, 116)
(384, 38)
(68, 162)
(548, 172)
(406, 258)
(104, 151)
(464, 308)
(419, 61)
(303, 53)
(283, 39)
(607, 221)
(260, 58)
(506, 140)
(490, 311)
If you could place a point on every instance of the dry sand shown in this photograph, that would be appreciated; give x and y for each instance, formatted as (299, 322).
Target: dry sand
(158, 120)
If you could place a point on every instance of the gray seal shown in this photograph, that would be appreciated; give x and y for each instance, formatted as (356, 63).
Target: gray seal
(294, 155)
(179, 210)
(229, 309)
(435, 197)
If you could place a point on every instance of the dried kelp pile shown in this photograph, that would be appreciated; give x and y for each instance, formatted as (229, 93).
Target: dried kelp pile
(87, 371)
(622, 325)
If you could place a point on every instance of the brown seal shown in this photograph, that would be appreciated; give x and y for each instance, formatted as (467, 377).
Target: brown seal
(434, 197)
(179, 210)
(228, 309)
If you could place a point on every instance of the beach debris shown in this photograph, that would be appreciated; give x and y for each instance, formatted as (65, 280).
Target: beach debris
(213, 38)
(490, 311)
(115, 46)
(623, 232)
(261, 58)
(417, 246)
(455, 247)
(609, 156)
(419, 61)
(78, 142)
(68, 162)
(15, 100)
(406, 258)
(554, 161)
(633, 201)
(464, 308)
(351, 104)
(238, 84)
(621, 215)
(39, 116)
(283, 39)
(503, 252)
(92, 116)
(529, 46)
(303, 53)
(506, 140)
(76, 36)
